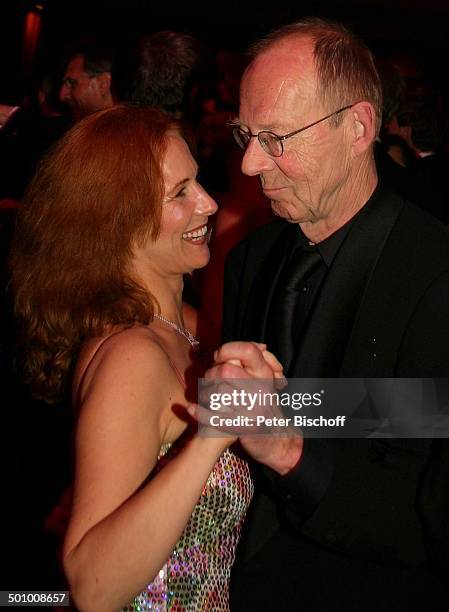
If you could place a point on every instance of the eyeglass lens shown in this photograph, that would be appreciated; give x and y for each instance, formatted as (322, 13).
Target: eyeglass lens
(268, 141)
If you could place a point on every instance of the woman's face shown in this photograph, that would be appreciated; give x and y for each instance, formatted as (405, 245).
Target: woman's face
(182, 244)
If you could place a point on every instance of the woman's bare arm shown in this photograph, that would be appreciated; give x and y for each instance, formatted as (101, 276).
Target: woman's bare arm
(121, 533)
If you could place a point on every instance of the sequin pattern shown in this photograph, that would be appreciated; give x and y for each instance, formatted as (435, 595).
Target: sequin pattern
(196, 575)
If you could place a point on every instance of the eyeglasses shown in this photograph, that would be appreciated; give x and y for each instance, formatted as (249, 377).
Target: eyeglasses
(270, 142)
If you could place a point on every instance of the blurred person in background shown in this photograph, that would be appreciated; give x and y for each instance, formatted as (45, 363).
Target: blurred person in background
(87, 81)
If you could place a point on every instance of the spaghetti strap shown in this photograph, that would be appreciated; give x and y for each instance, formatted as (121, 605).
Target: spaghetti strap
(179, 376)
(92, 357)
(103, 341)
(177, 372)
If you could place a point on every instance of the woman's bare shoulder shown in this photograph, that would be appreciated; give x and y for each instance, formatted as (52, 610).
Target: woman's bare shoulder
(132, 354)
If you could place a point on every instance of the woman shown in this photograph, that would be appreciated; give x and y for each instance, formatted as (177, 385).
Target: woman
(113, 219)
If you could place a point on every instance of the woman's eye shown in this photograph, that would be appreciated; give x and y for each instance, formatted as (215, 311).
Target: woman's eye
(181, 193)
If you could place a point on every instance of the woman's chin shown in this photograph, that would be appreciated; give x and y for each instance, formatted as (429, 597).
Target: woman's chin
(198, 261)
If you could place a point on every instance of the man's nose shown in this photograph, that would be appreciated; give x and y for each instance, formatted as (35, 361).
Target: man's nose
(64, 93)
(256, 160)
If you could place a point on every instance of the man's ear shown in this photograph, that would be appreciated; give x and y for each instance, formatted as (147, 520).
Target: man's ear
(104, 83)
(363, 120)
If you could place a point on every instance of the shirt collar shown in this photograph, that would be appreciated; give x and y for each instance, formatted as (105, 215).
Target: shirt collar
(329, 247)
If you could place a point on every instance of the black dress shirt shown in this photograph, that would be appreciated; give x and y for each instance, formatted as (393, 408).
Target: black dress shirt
(308, 292)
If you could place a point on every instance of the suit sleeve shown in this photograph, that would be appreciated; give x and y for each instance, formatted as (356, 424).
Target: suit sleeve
(424, 350)
(363, 500)
(304, 486)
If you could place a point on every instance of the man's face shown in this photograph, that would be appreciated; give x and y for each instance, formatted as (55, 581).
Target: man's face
(80, 90)
(278, 94)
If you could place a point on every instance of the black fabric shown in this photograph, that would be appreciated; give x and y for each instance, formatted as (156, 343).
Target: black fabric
(298, 284)
(23, 141)
(305, 578)
(424, 181)
(302, 486)
(323, 347)
(287, 305)
(375, 515)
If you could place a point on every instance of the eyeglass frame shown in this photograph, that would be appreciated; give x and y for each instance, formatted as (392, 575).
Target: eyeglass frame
(238, 128)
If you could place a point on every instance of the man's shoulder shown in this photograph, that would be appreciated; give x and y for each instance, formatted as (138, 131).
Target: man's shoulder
(414, 227)
(426, 232)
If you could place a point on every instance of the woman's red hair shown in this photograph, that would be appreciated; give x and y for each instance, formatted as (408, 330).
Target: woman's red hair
(93, 197)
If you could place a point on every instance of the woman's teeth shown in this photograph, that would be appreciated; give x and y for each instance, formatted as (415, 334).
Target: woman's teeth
(195, 234)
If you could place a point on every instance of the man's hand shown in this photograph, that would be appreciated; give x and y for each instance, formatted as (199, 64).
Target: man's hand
(280, 453)
(251, 360)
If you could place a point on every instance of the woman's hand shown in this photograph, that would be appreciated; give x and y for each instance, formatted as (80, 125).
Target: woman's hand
(245, 360)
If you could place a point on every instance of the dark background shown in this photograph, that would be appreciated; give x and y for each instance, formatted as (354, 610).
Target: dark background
(416, 27)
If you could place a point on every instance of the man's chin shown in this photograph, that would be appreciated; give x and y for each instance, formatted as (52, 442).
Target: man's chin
(281, 210)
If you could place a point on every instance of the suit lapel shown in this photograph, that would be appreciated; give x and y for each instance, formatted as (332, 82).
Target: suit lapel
(328, 332)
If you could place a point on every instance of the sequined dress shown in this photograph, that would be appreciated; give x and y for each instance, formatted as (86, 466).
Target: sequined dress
(196, 576)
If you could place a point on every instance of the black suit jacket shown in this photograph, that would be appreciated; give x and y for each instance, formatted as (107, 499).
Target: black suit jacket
(358, 507)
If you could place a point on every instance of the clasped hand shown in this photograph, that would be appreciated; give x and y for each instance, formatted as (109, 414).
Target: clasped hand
(250, 361)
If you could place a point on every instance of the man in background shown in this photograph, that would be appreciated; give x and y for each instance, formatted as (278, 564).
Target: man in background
(87, 82)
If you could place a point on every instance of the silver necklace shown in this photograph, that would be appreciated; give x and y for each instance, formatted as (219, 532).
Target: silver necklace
(194, 343)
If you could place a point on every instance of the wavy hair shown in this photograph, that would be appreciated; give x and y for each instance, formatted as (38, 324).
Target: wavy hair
(94, 196)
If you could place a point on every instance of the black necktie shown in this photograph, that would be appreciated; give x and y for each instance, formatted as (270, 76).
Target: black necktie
(285, 320)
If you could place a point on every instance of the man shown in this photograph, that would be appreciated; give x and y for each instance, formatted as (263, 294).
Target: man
(87, 82)
(337, 524)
